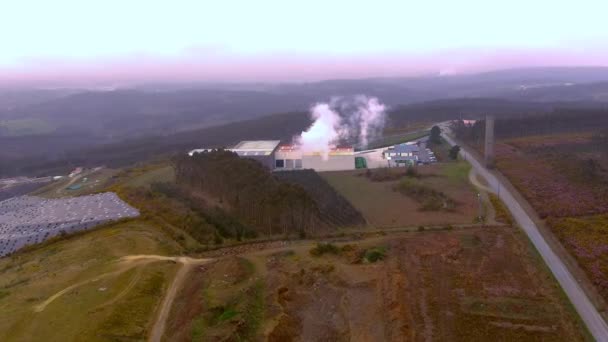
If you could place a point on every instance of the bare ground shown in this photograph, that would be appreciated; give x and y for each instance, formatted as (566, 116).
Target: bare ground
(477, 284)
(428, 289)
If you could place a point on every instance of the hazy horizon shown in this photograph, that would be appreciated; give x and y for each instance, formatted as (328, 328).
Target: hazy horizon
(116, 43)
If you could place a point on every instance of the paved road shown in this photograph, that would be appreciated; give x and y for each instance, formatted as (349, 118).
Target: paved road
(595, 323)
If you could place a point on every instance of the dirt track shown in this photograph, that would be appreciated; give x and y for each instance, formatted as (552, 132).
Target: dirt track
(158, 329)
(40, 307)
(128, 262)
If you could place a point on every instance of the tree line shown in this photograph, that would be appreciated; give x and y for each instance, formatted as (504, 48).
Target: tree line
(558, 121)
(247, 190)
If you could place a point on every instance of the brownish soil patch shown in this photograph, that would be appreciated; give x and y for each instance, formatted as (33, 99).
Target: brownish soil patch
(473, 285)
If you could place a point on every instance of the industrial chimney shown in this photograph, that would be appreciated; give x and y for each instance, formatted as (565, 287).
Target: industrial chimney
(489, 143)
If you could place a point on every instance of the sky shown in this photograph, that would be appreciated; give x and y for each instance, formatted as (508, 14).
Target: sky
(248, 40)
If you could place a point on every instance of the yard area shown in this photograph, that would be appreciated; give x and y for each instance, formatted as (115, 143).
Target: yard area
(383, 206)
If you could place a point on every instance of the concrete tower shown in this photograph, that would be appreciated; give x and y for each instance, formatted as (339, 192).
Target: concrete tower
(489, 145)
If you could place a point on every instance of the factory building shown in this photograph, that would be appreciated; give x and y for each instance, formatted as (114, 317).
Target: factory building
(260, 150)
(290, 157)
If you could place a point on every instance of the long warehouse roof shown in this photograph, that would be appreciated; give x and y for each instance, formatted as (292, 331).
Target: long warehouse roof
(256, 146)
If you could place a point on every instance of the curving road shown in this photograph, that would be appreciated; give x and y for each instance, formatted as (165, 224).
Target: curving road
(587, 311)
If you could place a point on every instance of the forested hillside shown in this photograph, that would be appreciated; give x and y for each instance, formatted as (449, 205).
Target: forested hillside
(46, 154)
(554, 122)
(14, 159)
(246, 189)
(334, 208)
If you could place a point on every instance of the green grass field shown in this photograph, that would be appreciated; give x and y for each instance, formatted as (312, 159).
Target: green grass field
(161, 174)
(382, 206)
(456, 172)
(103, 299)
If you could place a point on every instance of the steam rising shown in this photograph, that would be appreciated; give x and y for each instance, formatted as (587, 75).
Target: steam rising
(353, 120)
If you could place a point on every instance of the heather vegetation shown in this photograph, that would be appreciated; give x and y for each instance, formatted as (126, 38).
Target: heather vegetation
(587, 239)
(502, 213)
(560, 164)
(374, 254)
(556, 183)
(325, 248)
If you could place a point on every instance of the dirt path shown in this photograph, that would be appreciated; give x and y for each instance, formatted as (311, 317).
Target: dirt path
(475, 181)
(158, 329)
(40, 307)
(131, 261)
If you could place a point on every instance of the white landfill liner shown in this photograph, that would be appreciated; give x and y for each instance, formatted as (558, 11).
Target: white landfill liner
(28, 220)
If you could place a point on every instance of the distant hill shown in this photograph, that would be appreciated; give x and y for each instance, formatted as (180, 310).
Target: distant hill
(586, 92)
(114, 115)
(119, 126)
(40, 158)
(277, 126)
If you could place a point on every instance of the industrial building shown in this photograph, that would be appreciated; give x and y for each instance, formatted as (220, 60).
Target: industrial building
(260, 150)
(290, 157)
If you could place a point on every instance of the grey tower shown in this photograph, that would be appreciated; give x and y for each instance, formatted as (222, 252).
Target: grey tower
(489, 145)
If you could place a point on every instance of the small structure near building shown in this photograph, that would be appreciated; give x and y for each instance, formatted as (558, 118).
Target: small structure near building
(403, 154)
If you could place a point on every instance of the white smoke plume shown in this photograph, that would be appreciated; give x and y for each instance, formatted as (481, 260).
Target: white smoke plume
(352, 120)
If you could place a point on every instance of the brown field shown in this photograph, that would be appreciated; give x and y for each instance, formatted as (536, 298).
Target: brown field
(547, 171)
(586, 238)
(468, 285)
(384, 207)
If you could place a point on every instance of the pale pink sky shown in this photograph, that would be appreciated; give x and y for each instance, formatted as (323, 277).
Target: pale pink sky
(282, 68)
(119, 41)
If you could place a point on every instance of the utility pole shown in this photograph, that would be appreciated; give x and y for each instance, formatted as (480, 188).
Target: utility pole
(489, 142)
